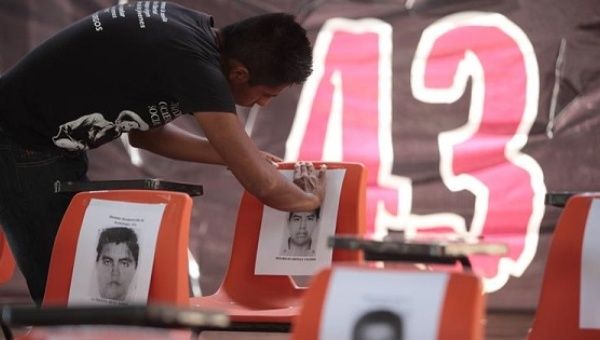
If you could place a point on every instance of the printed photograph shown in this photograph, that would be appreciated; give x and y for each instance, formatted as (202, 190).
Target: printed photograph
(117, 256)
(115, 253)
(378, 325)
(302, 232)
(295, 243)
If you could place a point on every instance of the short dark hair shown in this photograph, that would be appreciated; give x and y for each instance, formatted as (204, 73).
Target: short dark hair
(119, 235)
(378, 316)
(316, 211)
(273, 47)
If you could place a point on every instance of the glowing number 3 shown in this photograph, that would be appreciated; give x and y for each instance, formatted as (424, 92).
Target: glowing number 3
(484, 155)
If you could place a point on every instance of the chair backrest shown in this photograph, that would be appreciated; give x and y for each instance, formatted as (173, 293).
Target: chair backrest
(262, 291)
(169, 280)
(7, 261)
(460, 317)
(558, 312)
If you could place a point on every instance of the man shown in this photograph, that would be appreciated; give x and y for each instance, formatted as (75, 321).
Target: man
(301, 226)
(116, 262)
(378, 325)
(157, 60)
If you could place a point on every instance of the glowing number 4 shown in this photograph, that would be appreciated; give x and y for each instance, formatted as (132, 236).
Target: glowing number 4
(345, 113)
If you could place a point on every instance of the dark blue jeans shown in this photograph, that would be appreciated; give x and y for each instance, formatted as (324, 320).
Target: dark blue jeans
(30, 212)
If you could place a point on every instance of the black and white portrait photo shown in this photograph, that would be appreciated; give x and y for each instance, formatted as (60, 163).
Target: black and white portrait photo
(117, 256)
(300, 239)
(378, 325)
(385, 304)
(295, 243)
(115, 253)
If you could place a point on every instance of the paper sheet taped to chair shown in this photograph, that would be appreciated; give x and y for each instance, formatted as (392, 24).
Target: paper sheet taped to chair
(589, 306)
(401, 305)
(115, 253)
(296, 243)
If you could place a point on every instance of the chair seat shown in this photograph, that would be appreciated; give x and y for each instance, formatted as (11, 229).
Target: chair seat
(559, 310)
(7, 261)
(458, 295)
(239, 312)
(270, 302)
(169, 280)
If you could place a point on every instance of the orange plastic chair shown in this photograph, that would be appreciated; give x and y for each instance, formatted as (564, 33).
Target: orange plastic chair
(557, 315)
(258, 302)
(461, 316)
(7, 261)
(169, 280)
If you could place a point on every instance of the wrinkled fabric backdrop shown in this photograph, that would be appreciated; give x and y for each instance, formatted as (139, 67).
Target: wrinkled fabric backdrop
(465, 112)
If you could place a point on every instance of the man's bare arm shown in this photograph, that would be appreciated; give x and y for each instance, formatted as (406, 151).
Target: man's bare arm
(244, 159)
(185, 146)
(176, 143)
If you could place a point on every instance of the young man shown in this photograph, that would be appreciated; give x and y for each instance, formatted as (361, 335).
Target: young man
(156, 61)
(116, 262)
(378, 325)
(301, 226)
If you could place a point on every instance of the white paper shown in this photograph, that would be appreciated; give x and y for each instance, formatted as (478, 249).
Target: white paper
(105, 272)
(356, 299)
(296, 244)
(589, 300)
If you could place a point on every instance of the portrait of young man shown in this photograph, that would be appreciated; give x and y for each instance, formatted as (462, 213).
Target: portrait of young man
(302, 228)
(68, 95)
(117, 255)
(378, 325)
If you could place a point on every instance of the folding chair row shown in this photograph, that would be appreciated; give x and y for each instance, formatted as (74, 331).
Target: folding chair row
(245, 296)
(250, 299)
(564, 309)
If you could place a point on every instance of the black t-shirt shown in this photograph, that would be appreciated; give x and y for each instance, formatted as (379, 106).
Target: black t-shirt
(128, 67)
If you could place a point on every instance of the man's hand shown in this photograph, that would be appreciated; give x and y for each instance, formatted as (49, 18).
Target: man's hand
(271, 158)
(309, 179)
(236, 150)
